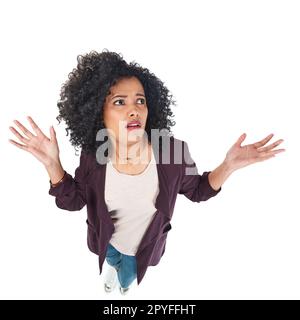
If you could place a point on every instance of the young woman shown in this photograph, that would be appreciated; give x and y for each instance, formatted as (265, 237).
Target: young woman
(130, 192)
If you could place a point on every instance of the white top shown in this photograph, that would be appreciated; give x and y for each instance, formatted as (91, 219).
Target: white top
(131, 200)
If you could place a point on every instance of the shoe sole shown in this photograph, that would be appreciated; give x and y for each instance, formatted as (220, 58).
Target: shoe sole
(124, 291)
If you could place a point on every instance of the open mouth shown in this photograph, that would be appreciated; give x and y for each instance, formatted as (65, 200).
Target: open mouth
(133, 125)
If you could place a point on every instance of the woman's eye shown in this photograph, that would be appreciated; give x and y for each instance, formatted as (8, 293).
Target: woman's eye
(142, 99)
(117, 101)
(123, 101)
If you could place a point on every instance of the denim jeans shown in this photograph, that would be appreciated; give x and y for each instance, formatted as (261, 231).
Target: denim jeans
(124, 264)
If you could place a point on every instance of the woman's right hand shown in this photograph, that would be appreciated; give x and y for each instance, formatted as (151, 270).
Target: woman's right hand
(40, 146)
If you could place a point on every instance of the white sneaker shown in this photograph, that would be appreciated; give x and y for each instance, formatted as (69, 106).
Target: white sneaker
(124, 290)
(111, 279)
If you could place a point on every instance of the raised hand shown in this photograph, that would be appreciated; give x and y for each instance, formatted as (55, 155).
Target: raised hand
(45, 149)
(240, 156)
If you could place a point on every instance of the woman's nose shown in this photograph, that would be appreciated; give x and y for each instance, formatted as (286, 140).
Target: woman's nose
(133, 112)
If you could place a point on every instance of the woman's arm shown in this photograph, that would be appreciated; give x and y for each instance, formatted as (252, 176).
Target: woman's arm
(70, 192)
(219, 175)
(194, 186)
(56, 173)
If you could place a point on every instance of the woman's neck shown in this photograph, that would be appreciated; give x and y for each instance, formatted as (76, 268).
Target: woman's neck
(133, 153)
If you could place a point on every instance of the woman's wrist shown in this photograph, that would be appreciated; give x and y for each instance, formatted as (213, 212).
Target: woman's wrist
(56, 174)
(58, 182)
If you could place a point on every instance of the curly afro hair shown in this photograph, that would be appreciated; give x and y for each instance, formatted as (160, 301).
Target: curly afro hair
(83, 95)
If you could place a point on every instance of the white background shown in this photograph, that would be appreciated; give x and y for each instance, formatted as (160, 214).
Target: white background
(233, 67)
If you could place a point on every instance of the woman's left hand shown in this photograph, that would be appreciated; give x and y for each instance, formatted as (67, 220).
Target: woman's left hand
(241, 156)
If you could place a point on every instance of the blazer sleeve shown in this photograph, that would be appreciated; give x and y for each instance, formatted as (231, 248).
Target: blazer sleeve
(194, 186)
(70, 193)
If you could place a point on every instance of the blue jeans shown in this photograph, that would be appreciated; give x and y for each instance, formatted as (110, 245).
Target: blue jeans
(124, 264)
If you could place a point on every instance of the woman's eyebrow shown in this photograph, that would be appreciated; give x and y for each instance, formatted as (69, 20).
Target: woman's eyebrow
(123, 96)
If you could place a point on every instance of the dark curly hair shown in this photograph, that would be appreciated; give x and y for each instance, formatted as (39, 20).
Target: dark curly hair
(83, 95)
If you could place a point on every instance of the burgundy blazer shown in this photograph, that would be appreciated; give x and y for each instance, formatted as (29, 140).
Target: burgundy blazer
(87, 188)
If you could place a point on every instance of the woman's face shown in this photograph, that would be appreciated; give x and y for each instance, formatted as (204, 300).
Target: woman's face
(125, 103)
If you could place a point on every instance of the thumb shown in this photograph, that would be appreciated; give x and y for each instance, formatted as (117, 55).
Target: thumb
(52, 134)
(240, 139)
